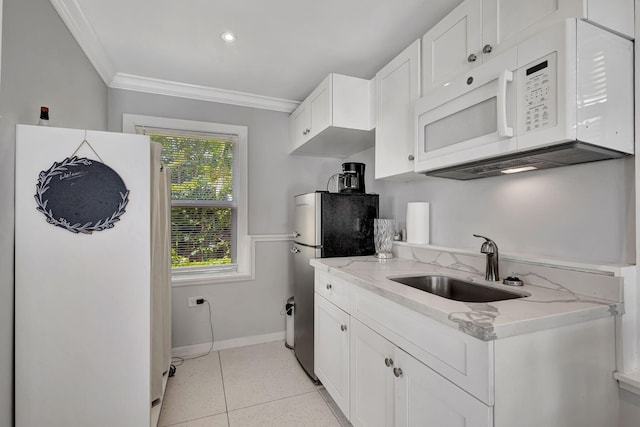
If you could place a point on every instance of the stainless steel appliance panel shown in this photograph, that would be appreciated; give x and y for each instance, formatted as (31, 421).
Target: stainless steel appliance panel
(303, 299)
(306, 219)
(325, 225)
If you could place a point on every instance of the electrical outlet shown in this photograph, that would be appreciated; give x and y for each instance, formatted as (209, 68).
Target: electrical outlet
(193, 301)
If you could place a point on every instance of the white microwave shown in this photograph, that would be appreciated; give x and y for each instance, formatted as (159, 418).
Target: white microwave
(571, 84)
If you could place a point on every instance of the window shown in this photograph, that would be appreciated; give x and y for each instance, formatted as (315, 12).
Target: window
(208, 194)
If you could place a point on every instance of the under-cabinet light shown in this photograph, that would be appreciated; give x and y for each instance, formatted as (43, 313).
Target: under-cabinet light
(522, 169)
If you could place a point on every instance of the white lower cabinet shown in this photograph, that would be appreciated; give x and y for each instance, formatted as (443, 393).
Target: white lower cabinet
(391, 388)
(331, 354)
(371, 378)
(387, 365)
(424, 398)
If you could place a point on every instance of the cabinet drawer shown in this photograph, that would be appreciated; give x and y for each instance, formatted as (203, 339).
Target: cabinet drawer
(335, 290)
(463, 359)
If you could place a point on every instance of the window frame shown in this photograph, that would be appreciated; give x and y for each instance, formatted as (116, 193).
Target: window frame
(203, 275)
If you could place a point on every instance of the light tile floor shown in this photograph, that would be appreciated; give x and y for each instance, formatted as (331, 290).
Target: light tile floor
(258, 385)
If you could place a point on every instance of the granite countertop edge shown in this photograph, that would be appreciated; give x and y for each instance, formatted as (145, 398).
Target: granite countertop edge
(543, 309)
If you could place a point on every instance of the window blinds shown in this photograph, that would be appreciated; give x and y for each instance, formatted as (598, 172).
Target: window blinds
(203, 213)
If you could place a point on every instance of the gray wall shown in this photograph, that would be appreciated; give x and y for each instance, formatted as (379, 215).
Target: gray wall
(241, 309)
(582, 212)
(41, 65)
(629, 409)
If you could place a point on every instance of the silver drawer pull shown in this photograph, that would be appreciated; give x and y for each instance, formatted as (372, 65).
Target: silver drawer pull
(472, 58)
(397, 372)
(487, 48)
(343, 328)
(295, 250)
(329, 286)
(410, 158)
(388, 362)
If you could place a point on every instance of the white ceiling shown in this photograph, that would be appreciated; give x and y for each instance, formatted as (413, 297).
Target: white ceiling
(284, 47)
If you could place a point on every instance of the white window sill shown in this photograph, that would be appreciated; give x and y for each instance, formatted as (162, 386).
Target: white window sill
(178, 280)
(629, 381)
(246, 273)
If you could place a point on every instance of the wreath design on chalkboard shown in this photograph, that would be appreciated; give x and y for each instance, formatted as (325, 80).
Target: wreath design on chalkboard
(62, 171)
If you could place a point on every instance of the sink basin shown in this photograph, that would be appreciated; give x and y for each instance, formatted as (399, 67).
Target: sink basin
(456, 289)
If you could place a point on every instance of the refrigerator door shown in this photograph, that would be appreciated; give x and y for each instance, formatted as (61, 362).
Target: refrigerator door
(306, 219)
(303, 313)
(347, 224)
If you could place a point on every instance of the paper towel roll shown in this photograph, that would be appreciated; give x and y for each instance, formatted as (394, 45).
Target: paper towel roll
(418, 222)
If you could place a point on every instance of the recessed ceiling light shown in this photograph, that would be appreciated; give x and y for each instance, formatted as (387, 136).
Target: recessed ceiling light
(228, 37)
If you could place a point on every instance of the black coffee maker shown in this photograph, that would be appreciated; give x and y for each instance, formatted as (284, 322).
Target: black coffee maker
(351, 179)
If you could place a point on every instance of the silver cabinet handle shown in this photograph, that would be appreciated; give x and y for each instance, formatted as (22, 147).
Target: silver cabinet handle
(411, 158)
(295, 234)
(343, 328)
(487, 48)
(295, 250)
(329, 286)
(397, 372)
(472, 58)
(306, 131)
(388, 362)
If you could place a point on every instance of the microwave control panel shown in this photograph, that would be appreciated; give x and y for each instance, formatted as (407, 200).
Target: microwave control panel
(539, 97)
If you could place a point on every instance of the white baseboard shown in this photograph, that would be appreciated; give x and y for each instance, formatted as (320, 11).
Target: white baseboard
(193, 350)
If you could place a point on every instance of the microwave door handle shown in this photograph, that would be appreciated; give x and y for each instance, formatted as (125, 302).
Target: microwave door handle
(505, 77)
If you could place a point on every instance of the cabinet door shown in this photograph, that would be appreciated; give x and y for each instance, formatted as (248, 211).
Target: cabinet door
(424, 398)
(505, 23)
(371, 378)
(299, 125)
(397, 89)
(320, 108)
(452, 46)
(332, 351)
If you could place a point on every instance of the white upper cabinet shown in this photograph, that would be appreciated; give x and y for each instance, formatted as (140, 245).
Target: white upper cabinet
(453, 45)
(336, 119)
(397, 89)
(477, 30)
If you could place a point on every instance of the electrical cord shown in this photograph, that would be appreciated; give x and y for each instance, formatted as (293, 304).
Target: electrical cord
(178, 361)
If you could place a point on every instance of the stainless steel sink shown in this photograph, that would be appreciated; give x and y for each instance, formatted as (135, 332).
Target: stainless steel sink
(456, 289)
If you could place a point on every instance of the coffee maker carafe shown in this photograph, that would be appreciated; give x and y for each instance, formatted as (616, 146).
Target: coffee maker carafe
(351, 180)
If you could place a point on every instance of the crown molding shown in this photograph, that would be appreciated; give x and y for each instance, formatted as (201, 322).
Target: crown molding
(79, 26)
(84, 33)
(202, 93)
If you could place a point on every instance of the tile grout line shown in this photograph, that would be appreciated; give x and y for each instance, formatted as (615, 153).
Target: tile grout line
(271, 401)
(224, 391)
(209, 415)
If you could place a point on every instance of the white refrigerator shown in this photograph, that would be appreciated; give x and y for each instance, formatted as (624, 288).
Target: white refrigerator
(92, 289)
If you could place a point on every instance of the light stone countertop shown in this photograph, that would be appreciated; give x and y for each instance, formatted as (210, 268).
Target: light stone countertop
(543, 308)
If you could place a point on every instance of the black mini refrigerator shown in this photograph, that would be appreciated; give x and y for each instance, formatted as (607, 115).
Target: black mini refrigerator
(325, 225)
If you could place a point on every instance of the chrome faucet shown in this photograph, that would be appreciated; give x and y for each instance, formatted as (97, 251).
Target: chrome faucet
(490, 248)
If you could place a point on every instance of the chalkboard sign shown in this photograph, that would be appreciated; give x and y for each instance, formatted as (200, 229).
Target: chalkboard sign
(81, 195)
